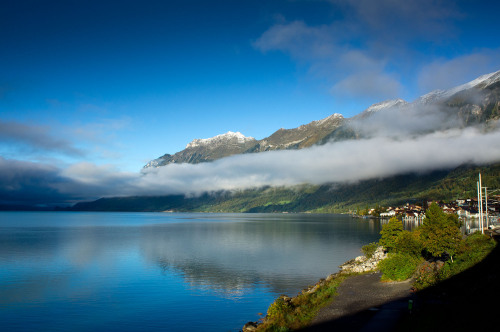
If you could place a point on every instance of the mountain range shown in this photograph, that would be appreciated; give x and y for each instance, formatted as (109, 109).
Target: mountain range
(474, 104)
(470, 104)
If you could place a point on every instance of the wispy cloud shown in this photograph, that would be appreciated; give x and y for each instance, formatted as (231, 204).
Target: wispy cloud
(367, 42)
(353, 72)
(31, 183)
(35, 138)
(446, 73)
(371, 84)
(347, 161)
(400, 21)
(301, 41)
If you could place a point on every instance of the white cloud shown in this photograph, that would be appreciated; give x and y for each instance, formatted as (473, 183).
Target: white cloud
(447, 73)
(369, 84)
(357, 73)
(298, 39)
(393, 20)
(366, 42)
(334, 162)
(338, 162)
(31, 138)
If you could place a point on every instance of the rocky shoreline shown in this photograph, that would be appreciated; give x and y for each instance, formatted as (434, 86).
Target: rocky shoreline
(359, 265)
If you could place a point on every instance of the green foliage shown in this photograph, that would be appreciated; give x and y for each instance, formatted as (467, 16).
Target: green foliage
(369, 249)
(440, 233)
(478, 242)
(443, 240)
(296, 313)
(409, 243)
(279, 309)
(390, 233)
(398, 267)
(476, 247)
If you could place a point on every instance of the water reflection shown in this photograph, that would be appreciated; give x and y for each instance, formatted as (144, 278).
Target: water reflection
(112, 265)
(283, 255)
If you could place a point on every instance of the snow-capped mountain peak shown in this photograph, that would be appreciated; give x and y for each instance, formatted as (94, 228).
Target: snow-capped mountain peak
(335, 116)
(220, 139)
(482, 81)
(386, 104)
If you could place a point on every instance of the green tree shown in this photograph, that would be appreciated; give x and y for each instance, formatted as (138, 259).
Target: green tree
(409, 243)
(390, 233)
(440, 233)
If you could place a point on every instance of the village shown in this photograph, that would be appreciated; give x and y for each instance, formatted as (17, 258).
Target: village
(468, 210)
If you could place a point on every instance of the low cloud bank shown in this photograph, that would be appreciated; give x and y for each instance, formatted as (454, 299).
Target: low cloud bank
(35, 138)
(348, 161)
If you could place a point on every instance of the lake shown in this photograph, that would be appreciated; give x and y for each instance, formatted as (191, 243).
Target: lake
(84, 271)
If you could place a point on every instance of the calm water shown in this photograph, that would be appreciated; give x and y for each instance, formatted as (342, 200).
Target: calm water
(162, 272)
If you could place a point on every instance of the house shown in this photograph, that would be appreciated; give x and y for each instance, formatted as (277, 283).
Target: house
(388, 214)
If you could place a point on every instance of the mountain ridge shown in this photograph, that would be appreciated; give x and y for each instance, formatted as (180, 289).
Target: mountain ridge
(476, 103)
(472, 103)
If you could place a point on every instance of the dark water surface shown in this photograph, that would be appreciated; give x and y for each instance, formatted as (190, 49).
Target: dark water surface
(84, 271)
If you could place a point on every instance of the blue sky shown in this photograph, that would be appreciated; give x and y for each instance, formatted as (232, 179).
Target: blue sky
(117, 83)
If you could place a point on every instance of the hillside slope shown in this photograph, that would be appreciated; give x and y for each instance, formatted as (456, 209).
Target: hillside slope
(437, 185)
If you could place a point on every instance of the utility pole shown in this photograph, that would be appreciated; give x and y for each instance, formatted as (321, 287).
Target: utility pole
(486, 203)
(481, 204)
(478, 200)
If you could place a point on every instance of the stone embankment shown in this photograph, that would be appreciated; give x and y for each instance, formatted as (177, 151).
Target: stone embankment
(360, 264)
(363, 264)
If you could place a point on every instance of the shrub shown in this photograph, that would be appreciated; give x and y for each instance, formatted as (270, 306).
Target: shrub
(478, 242)
(296, 313)
(398, 266)
(279, 309)
(477, 246)
(428, 274)
(369, 249)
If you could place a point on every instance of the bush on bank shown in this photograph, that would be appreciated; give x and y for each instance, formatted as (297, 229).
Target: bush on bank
(433, 252)
(399, 266)
(369, 249)
(475, 248)
(287, 314)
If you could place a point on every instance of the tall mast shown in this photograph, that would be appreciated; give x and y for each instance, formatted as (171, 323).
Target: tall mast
(486, 203)
(478, 200)
(481, 203)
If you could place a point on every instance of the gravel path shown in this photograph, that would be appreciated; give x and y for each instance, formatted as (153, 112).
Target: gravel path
(465, 302)
(364, 303)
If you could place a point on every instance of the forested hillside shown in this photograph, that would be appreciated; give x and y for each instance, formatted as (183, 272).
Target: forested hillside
(438, 185)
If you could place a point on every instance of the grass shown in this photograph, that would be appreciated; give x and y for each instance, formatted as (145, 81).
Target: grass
(287, 314)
